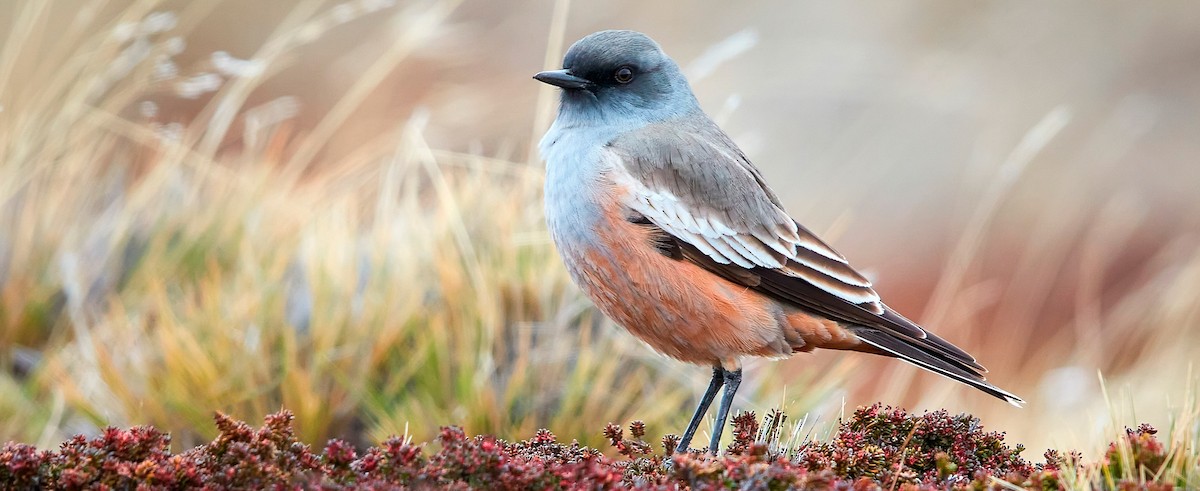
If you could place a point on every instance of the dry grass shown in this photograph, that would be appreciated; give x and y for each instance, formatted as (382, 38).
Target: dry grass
(153, 270)
(151, 277)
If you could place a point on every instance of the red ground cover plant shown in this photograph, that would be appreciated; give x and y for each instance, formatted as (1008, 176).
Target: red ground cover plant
(875, 448)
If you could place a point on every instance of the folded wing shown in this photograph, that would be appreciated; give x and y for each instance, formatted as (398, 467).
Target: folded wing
(696, 185)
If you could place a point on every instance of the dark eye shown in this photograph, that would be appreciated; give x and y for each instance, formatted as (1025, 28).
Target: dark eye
(623, 75)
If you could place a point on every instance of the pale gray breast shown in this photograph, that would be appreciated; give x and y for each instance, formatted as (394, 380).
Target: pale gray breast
(576, 166)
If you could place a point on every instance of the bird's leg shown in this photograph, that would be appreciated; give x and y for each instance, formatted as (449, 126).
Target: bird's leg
(733, 378)
(714, 385)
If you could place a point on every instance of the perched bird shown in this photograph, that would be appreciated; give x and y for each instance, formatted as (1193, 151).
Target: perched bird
(663, 222)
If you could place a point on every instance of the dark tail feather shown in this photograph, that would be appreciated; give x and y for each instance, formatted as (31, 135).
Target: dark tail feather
(935, 360)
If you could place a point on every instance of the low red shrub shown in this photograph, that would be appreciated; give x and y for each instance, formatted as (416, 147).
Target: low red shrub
(876, 448)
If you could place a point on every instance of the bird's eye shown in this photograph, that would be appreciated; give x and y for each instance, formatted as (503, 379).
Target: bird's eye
(623, 75)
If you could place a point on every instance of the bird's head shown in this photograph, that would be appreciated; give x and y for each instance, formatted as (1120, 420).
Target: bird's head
(620, 77)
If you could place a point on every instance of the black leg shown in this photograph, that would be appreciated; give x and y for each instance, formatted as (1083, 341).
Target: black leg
(732, 380)
(718, 379)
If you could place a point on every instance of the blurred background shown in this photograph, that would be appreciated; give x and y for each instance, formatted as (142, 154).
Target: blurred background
(332, 207)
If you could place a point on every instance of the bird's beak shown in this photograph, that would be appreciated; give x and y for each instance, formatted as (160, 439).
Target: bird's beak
(562, 78)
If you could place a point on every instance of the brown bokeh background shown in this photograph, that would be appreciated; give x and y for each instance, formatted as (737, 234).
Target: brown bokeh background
(1021, 177)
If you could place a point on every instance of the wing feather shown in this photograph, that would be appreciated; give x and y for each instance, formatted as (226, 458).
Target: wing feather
(832, 267)
(726, 249)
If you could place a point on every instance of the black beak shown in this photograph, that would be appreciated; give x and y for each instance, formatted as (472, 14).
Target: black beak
(562, 78)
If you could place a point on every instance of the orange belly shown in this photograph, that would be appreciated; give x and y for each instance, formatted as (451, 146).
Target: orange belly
(678, 308)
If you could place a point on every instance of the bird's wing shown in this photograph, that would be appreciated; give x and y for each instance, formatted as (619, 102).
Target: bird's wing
(697, 186)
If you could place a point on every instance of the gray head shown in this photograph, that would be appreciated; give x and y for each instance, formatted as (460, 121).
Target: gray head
(620, 77)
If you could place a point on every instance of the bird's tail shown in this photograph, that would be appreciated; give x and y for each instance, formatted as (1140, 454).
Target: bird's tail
(931, 353)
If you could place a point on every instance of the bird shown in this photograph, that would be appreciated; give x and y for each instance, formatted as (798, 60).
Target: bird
(663, 222)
